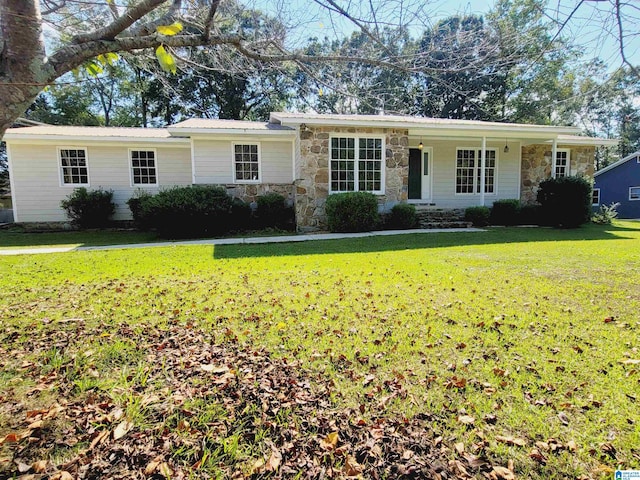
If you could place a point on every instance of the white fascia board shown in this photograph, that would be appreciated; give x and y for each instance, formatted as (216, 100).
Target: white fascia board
(588, 141)
(222, 132)
(57, 139)
(416, 128)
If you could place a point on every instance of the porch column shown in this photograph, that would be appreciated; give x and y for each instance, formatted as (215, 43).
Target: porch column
(554, 152)
(483, 161)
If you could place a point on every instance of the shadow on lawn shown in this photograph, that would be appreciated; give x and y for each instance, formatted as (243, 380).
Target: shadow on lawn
(427, 240)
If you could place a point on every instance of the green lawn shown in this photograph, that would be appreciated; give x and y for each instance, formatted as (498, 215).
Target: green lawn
(512, 345)
(16, 238)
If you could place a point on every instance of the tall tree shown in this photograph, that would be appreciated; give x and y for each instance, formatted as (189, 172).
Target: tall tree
(97, 28)
(462, 93)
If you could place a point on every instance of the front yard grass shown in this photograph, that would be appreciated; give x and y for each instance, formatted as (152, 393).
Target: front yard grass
(514, 348)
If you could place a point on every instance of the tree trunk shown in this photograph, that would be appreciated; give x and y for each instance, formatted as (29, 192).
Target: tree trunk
(23, 69)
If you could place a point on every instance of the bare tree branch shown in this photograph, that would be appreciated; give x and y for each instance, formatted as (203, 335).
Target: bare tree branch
(621, 44)
(132, 15)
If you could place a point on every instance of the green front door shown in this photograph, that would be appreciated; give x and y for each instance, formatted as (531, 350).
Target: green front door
(415, 174)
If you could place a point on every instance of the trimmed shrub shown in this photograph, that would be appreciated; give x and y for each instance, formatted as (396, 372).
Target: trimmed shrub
(402, 217)
(240, 214)
(273, 211)
(352, 212)
(89, 208)
(478, 216)
(182, 212)
(135, 205)
(505, 212)
(530, 214)
(565, 201)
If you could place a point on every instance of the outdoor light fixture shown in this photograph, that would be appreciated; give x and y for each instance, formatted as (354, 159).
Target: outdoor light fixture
(420, 145)
(506, 146)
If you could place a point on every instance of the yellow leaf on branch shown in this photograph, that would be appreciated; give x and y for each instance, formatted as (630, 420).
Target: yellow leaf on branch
(169, 30)
(166, 60)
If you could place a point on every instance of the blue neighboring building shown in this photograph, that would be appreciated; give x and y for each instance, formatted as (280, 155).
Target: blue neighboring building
(619, 182)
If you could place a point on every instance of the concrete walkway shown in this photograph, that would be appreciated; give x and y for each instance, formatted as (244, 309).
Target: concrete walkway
(238, 241)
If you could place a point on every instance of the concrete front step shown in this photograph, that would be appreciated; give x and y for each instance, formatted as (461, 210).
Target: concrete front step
(430, 217)
(432, 225)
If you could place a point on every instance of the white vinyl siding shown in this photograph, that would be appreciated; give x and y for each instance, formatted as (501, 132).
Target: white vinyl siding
(38, 190)
(443, 172)
(214, 163)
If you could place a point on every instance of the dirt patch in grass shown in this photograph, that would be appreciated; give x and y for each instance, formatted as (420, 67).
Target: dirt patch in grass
(190, 404)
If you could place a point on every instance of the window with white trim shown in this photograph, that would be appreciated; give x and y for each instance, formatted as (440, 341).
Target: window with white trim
(562, 163)
(143, 167)
(355, 164)
(74, 168)
(634, 193)
(246, 161)
(469, 171)
(595, 197)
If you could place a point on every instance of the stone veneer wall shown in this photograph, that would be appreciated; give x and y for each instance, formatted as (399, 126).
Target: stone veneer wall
(249, 192)
(312, 186)
(537, 164)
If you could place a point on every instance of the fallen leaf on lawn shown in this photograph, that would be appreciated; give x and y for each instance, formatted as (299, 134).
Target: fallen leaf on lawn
(183, 425)
(214, 368)
(35, 425)
(257, 466)
(330, 441)
(15, 437)
(40, 466)
(122, 429)
(459, 447)
(520, 442)
(351, 467)
(630, 361)
(609, 319)
(542, 446)
(368, 379)
(273, 463)
(466, 419)
(62, 476)
(502, 473)
(571, 445)
(563, 418)
(23, 467)
(153, 465)
(165, 470)
(537, 455)
(53, 412)
(100, 438)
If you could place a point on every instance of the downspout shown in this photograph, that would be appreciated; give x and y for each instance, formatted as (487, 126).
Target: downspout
(483, 162)
(554, 153)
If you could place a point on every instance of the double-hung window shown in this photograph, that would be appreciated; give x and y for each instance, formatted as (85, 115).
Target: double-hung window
(73, 166)
(143, 167)
(595, 197)
(246, 162)
(562, 163)
(634, 193)
(356, 164)
(469, 171)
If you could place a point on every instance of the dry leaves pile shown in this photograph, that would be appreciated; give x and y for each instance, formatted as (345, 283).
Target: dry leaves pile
(272, 419)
